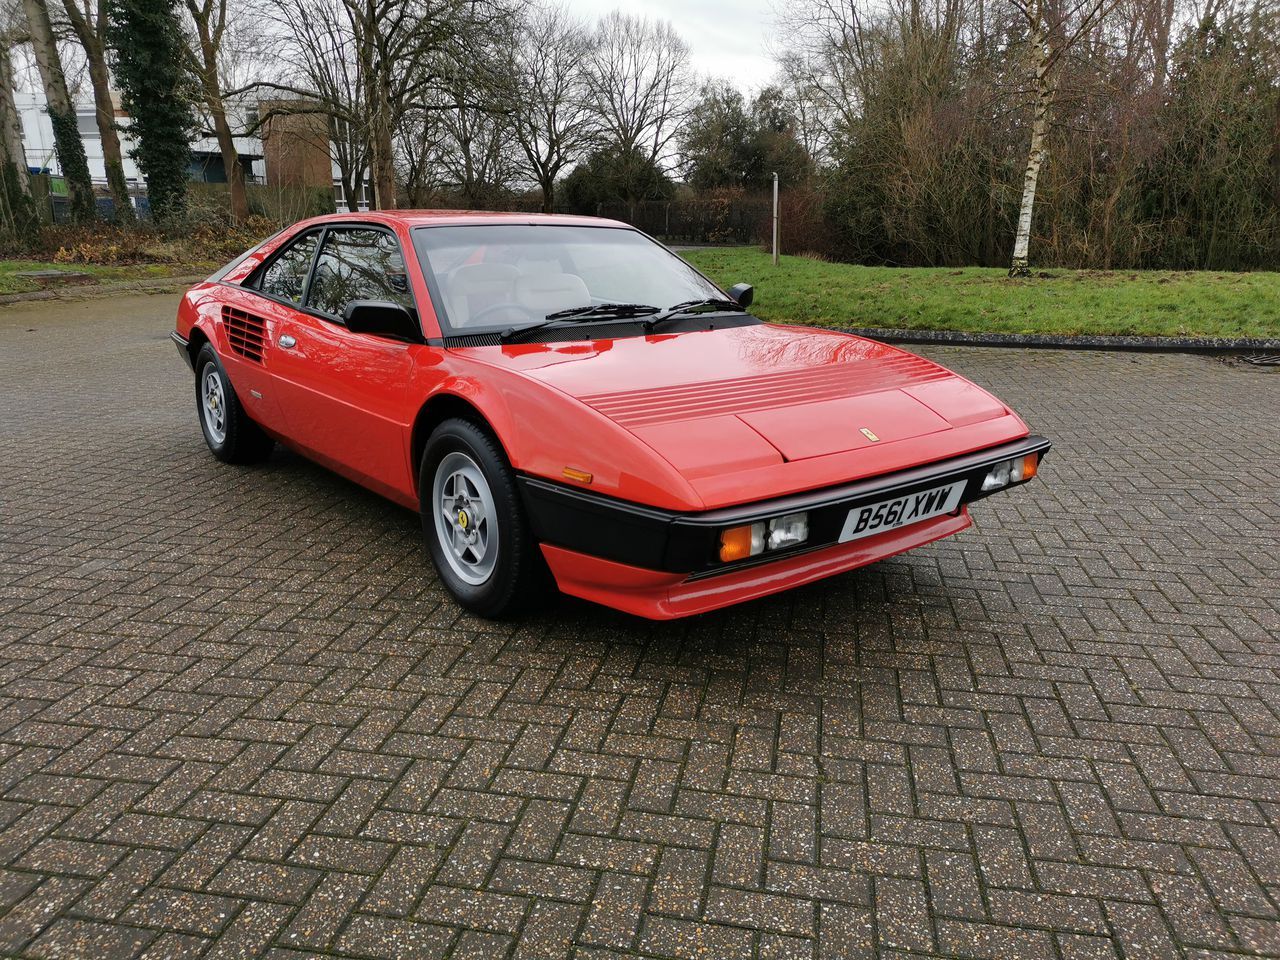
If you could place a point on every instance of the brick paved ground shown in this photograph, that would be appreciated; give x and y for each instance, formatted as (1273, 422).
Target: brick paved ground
(239, 718)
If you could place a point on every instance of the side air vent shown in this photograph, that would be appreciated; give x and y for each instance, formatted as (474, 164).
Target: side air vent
(246, 333)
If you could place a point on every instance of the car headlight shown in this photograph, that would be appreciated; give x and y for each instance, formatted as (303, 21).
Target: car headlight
(752, 539)
(1008, 472)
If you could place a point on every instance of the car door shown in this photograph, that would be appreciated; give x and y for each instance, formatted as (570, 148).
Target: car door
(344, 394)
(251, 315)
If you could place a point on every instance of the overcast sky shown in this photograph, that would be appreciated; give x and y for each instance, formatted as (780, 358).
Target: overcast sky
(729, 38)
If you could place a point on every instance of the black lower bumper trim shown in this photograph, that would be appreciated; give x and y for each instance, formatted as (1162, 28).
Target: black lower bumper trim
(668, 540)
(183, 346)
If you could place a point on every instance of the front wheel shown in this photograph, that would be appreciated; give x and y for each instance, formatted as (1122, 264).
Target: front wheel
(232, 437)
(474, 523)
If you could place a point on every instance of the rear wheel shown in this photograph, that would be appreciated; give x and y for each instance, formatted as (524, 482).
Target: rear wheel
(232, 437)
(475, 525)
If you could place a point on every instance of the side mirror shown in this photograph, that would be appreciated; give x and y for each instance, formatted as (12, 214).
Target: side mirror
(381, 318)
(744, 293)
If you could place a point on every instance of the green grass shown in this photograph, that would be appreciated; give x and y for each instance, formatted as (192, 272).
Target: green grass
(11, 283)
(978, 300)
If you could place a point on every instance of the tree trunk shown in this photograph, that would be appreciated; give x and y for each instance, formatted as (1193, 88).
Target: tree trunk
(1035, 156)
(19, 212)
(230, 157)
(384, 170)
(105, 109)
(62, 113)
(548, 195)
(11, 120)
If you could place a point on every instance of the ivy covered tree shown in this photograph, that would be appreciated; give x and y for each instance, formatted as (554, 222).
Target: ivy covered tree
(150, 66)
(67, 143)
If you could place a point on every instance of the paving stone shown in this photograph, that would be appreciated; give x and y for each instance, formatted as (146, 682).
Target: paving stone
(239, 717)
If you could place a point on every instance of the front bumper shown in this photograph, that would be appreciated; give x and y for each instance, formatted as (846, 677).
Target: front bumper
(666, 596)
(184, 349)
(669, 542)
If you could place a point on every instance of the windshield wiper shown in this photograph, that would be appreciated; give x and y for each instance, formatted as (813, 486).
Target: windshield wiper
(587, 314)
(715, 304)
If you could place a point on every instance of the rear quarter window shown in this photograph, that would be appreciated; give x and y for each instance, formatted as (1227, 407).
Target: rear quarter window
(230, 268)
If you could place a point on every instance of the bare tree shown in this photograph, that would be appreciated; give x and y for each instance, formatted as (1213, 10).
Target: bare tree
(418, 145)
(641, 84)
(210, 21)
(403, 55)
(551, 115)
(475, 150)
(1053, 28)
(62, 113)
(88, 19)
(323, 74)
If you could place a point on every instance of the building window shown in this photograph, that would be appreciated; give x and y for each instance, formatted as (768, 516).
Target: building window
(364, 192)
(87, 123)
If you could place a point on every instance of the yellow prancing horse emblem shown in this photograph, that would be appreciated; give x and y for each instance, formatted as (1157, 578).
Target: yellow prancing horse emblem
(869, 435)
(463, 519)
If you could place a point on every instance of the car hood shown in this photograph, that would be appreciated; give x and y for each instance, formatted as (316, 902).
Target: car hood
(778, 408)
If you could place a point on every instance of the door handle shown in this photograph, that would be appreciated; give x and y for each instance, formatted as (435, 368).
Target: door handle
(287, 342)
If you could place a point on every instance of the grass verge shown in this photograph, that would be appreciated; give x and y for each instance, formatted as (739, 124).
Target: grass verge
(11, 282)
(979, 300)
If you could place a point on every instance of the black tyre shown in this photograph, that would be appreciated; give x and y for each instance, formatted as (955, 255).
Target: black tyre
(474, 523)
(230, 434)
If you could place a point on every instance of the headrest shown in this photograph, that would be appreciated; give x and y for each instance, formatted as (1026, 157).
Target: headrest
(481, 278)
(548, 292)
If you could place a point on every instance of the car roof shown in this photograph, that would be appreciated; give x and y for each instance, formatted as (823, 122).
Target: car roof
(419, 218)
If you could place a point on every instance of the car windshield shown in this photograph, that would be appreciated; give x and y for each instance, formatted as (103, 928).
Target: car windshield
(501, 276)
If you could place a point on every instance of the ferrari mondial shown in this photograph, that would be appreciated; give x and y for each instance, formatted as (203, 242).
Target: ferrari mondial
(568, 403)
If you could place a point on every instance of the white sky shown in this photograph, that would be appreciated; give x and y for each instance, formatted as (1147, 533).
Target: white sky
(728, 38)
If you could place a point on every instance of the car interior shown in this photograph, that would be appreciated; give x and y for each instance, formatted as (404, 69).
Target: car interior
(474, 291)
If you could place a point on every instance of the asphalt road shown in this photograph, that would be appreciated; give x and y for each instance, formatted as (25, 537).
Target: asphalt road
(239, 717)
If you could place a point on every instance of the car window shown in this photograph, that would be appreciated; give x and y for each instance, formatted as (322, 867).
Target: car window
(287, 275)
(492, 276)
(224, 271)
(358, 263)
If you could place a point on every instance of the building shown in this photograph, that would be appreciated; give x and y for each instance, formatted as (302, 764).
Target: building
(291, 151)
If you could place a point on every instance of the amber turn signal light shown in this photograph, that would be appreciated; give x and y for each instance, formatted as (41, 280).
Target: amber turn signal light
(572, 473)
(738, 543)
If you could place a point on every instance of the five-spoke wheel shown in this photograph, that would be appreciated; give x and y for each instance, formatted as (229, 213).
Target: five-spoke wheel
(474, 522)
(214, 404)
(230, 433)
(466, 517)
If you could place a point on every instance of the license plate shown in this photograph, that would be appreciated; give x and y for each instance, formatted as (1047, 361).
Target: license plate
(901, 511)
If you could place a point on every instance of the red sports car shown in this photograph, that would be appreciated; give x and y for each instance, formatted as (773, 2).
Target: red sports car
(567, 402)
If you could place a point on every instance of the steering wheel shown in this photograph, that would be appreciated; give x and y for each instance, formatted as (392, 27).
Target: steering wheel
(508, 305)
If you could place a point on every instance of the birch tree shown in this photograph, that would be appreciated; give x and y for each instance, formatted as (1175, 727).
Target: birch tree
(1053, 28)
(88, 19)
(67, 142)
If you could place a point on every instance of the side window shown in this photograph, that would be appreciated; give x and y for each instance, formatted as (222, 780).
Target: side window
(358, 264)
(287, 274)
